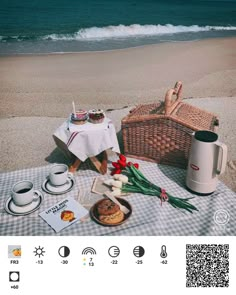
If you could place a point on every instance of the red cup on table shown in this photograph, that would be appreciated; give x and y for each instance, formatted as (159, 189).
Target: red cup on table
(80, 115)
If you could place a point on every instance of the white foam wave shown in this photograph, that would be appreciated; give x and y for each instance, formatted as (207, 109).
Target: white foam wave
(120, 31)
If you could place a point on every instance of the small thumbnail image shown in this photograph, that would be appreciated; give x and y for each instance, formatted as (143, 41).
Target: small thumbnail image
(14, 251)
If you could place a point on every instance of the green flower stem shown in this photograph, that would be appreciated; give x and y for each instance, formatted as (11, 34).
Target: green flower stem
(138, 183)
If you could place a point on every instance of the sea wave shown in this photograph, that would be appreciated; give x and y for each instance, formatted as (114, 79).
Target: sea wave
(123, 31)
(120, 31)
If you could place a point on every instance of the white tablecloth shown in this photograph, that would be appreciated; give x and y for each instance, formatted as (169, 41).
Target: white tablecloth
(89, 139)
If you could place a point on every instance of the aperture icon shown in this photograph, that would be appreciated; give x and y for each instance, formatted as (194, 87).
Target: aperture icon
(14, 276)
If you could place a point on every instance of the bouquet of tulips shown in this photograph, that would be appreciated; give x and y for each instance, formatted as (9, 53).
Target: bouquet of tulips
(133, 181)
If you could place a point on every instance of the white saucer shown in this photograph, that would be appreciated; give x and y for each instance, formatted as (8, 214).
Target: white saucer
(58, 190)
(15, 210)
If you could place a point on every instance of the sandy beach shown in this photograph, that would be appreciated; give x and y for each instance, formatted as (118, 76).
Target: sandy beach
(36, 92)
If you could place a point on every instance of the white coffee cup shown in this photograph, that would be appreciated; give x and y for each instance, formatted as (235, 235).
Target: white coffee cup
(23, 193)
(59, 174)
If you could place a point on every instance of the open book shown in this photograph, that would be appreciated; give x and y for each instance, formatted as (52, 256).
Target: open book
(63, 214)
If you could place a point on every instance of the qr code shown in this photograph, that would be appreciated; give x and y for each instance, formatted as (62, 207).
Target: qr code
(207, 265)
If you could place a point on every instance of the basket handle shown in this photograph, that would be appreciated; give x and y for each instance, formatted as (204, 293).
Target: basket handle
(169, 105)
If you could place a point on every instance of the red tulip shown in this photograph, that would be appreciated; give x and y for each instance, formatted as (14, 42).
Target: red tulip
(136, 165)
(121, 163)
(122, 158)
(116, 165)
(116, 171)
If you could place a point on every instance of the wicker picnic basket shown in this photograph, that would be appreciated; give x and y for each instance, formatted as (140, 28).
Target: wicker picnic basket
(161, 132)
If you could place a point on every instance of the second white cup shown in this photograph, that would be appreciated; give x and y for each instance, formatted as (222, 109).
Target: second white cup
(59, 174)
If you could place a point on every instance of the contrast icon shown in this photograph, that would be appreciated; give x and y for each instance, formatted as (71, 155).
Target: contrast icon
(39, 251)
(64, 251)
(89, 250)
(138, 251)
(114, 251)
(163, 251)
(14, 276)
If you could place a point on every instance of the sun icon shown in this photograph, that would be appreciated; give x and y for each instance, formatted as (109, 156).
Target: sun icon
(39, 251)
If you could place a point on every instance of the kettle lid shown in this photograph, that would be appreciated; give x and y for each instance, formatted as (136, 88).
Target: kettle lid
(206, 136)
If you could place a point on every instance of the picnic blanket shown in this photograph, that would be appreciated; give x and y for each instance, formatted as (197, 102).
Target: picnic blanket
(216, 215)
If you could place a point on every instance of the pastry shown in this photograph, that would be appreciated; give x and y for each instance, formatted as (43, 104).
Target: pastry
(96, 116)
(112, 218)
(80, 117)
(16, 252)
(67, 215)
(107, 207)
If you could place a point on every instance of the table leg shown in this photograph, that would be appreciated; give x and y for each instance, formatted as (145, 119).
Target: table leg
(100, 166)
(103, 168)
(75, 165)
(96, 163)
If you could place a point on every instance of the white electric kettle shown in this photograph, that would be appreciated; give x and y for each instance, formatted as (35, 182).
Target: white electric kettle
(207, 160)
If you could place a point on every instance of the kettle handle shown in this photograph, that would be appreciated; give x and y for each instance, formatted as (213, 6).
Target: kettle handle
(221, 167)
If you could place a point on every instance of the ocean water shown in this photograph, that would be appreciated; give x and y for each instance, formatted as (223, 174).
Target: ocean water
(47, 26)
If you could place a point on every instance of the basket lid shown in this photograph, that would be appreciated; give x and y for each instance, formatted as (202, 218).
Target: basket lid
(193, 116)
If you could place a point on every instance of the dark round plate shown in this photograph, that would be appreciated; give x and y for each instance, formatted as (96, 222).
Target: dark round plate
(94, 213)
